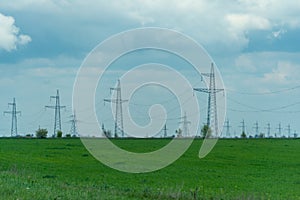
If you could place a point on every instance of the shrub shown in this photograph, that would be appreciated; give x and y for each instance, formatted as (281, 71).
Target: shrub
(59, 134)
(206, 131)
(243, 135)
(41, 133)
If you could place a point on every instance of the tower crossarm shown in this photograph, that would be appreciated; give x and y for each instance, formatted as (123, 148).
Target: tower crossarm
(208, 90)
(115, 100)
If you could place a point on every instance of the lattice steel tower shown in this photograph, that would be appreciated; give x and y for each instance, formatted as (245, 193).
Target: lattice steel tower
(279, 129)
(185, 128)
(212, 113)
(243, 126)
(165, 131)
(269, 129)
(13, 112)
(256, 128)
(227, 126)
(57, 107)
(73, 121)
(119, 128)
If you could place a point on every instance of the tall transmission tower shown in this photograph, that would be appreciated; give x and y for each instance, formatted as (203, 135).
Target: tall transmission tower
(13, 112)
(57, 107)
(256, 128)
(185, 127)
(212, 112)
(268, 129)
(73, 121)
(227, 126)
(165, 131)
(279, 130)
(119, 128)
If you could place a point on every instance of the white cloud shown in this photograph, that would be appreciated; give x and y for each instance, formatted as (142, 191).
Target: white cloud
(218, 25)
(9, 34)
(285, 73)
(262, 71)
(51, 72)
(278, 34)
(24, 39)
(245, 63)
(242, 22)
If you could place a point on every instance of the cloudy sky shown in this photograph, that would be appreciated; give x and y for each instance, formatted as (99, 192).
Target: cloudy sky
(255, 44)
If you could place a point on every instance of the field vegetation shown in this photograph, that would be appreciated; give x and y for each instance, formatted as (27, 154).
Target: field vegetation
(235, 169)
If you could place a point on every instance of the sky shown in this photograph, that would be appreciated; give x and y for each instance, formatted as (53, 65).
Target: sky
(254, 43)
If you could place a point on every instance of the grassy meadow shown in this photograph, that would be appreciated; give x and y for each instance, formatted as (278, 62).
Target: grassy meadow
(235, 169)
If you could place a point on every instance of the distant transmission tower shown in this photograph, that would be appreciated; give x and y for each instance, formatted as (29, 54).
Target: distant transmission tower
(295, 134)
(13, 112)
(165, 131)
(185, 127)
(269, 129)
(256, 128)
(57, 107)
(73, 121)
(289, 130)
(279, 130)
(243, 126)
(212, 114)
(227, 126)
(119, 128)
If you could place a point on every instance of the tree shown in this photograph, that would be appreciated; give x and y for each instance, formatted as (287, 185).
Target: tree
(243, 135)
(41, 133)
(59, 134)
(206, 131)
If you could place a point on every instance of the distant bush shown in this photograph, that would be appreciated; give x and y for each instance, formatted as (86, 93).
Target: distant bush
(68, 135)
(41, 133)
(206, 131)
(59, 134)
(29, 135)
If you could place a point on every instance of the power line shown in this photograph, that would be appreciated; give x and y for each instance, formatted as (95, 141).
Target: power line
(13, 112)
(57, 107)
(265, 93)
(259, 111)
(255, 109)
(119, 129)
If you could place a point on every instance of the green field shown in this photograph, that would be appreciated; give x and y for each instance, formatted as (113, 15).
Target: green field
(235, 169)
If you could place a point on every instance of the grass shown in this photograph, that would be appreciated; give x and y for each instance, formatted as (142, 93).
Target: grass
(235, 169)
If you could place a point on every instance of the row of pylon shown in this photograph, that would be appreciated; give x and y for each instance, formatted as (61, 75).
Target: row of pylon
(57, 121)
